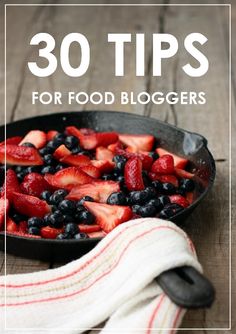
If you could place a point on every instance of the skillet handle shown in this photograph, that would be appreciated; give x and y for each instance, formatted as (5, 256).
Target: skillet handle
(186, 287)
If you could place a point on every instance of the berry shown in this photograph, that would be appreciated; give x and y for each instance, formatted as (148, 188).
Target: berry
(89, 228)
(80, 236)
(35, 222)
(52, 145)
(36, 137)
(85, 217)
(92, 171)
(157, 185)
(107, 177)
(103, 153)
(48, 159)
(68, 219)
(137, 142)
(133, 174)
(187, 185)
(45, 150)
(45, 195)
(118, 198)
(156, 203)
(138, 197)
(34, 184)
(178, 199)
(85, 198)
(136, 208)
(59, 167)
(147, 210)
(164, 200)
(168, 188)
(34, 230)
(163, 165)
(154, 155)
(17, 218)
(11, 184)
(33, 169)
(151, 193)
(20, 155)
(59, 139)
(170, 210)
(71, 229)
(48, 169)
(58, 196)
(50, 232)
(55, 219)
(178, 161)
(28, 145)
(71, 142)
(63, 236)
(76, 150)
(66, 206)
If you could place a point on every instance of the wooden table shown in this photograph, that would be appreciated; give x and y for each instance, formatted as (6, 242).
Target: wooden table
(208, 226)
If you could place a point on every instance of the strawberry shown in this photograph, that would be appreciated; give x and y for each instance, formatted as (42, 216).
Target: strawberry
(178, 161)
(29, 205)
(13, 141)
(103, 153)
(163, 165)
(20, 155)
(4, 207)
(11, 184)
(178, 199)
(61, 152)
(73, 131)
(133, 174)
(78, 160)
(48, 232)
(34, 184)
(137, 142)
(51, 134)
(190, 197)
(98, 190)
(183, 173)
(104, 166)
(11, 226)
(113, 147)
(164, 178)
(99, 234)
(89, 228)
(36, 137)
(68, 178)
(92, 171)
(24, 234)
(146, 160)
(109, 216)
(23, 226)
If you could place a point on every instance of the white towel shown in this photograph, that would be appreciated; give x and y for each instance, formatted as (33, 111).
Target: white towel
(114, 283)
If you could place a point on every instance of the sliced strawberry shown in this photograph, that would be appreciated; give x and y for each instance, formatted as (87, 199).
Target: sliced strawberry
(77, 160)
(51, 134)
(190, 197)
(178, 161)
(13, 141)
(20, 155)
(68, 178)
(36, 137)
(104, 166)
(4, 207)
(183, 173)
(23, 227)
(178, 199)
(89, 228)
(147, 161)
(92, 141)
(92, 171)
(11, 184)
(48, 232)
(11, 225)
(34, 184)
(113, 147)
(61, 152)
(163, 165)
(24, 234)
(137, 142)
(98, 190)
(133, 174)
(164, 178)
(109, 216)
(29, 205)
(99, 234)
(74, 131)
(103, 153)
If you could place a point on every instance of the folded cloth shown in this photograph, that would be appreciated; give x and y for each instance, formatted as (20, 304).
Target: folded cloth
(114, 283)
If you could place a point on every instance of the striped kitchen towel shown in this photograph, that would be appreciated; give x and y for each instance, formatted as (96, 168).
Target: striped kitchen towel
(112, 285)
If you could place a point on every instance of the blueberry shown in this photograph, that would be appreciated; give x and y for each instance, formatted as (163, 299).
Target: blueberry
(156, 203)
(56, 219)
(164, 200)
(19, 169)
(58, 196)
(45, 150)
(120, 162)
(79, 207)
(107, 177)
(33, 169)
(119, 158)
(85, 217)
(187, 185)
(20, 176)
(86, 153)
(59, 139)
(34, 230)
(28, 145)
(48, 169)
(80, 236)
(52, 145)
(54, 208)
(85, 198)
(17, 218)
(154, 155)
(118, 198)
(45, 195)
(48, 159)
(121, 179)
(46, 219)
(136, 208)
(59, 167)
(63, 236)
(138, 197)
(71, 142)
(170, 210)
(168, 188)
(71, 228)
(35, 222)
(68, 219)
(76, 150)
(151, 192)
(67, 206)
(147, 210)
(157, 185)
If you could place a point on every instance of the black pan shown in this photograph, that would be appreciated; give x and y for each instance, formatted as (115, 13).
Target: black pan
(182, 142)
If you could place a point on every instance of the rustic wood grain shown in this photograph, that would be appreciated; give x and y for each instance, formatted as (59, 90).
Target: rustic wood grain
(208, 226)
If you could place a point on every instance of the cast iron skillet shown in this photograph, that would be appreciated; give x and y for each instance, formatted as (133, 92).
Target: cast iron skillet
(184, 285)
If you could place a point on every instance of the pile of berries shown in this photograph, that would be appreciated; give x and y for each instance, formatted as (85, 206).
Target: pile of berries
(81, 184)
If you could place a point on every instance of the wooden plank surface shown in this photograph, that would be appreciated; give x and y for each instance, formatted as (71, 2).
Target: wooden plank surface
(209, 225)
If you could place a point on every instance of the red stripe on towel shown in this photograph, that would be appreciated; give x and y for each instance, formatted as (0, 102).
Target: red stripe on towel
(154, 314)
